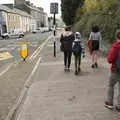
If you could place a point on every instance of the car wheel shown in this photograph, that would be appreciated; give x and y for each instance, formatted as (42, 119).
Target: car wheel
(21, 36)
(7, 37)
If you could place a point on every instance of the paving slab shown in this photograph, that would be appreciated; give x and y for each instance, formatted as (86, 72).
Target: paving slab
(59, 95)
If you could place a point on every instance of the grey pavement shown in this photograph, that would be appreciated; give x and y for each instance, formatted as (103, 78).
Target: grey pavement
(58, 95)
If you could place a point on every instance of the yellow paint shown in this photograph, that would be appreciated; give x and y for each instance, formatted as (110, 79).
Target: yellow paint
(24, 50)
(5, 55)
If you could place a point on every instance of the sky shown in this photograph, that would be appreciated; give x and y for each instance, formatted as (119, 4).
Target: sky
(39, 3)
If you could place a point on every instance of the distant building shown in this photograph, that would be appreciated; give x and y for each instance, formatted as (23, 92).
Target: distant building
(37, 13)
(50, 22)
(22, 15)
(3, 21)
(13, 19)
(46, 24)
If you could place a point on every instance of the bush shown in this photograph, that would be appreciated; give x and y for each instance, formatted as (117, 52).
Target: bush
(105, 15)
(107, 23)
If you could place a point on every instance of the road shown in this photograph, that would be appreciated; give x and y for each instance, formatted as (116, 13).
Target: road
(14, 73)
(13, 45)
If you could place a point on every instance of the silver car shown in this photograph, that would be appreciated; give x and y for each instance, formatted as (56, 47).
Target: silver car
(13, 34)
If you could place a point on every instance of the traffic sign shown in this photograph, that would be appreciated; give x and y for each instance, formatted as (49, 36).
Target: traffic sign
(54, 8)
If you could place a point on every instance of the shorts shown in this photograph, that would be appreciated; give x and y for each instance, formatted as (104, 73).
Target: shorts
(95, 45)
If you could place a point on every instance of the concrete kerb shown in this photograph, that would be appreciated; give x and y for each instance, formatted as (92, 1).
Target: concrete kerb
(26, 87)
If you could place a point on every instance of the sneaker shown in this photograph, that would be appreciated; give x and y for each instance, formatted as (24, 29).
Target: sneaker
(68, 70)
(96, 65)
(92, 66)
(118, 108)
(79, 69)
(76, 72)
(65, 68)
(109, 106)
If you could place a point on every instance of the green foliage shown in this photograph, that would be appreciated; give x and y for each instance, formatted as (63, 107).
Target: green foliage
(101, 12)
(69, 8)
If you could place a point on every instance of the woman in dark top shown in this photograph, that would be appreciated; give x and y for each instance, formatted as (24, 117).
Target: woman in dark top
(67, 38)
(95, 38)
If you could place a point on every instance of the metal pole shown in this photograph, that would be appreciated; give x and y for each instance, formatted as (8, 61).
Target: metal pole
(54, 23)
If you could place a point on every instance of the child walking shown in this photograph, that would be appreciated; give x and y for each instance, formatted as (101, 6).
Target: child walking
(114, 59)
(78, 50)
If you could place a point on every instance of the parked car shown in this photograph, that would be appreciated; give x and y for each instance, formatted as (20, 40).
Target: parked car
(13, 34)
(34, 31)
(38, 30)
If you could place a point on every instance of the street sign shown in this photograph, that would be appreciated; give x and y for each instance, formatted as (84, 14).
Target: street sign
(54, 8)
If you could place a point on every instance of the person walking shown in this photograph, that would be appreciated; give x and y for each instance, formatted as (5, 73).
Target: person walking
(78, 50)
(67, 38)
(95, 40)
(114, 59)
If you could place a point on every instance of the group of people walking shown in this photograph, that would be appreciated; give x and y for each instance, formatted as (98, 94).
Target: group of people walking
(71, 42)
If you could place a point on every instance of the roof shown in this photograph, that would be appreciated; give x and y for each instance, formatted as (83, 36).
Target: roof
(40, 10)
(13, 10)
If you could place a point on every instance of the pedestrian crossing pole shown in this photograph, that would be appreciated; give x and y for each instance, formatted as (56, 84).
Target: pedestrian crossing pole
(54, 23)
(54, 11)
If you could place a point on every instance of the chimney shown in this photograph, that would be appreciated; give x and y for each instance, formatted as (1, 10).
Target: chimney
(19, 2)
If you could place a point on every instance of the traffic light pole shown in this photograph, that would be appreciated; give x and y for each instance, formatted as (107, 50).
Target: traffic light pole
(54, 23)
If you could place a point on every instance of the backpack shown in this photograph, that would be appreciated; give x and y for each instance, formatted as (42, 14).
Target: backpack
(118, 62)
(77, 49)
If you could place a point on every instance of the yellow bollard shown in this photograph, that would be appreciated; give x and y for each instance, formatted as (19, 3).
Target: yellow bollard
(24, 51)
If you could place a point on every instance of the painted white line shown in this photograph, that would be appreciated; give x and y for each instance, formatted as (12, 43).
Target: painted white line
(23, 92)
(5, 70)
(36, 52)
(42, 46)
(33, 72)
(5, 58)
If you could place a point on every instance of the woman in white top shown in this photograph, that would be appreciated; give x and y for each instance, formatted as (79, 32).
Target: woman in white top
(95, 38)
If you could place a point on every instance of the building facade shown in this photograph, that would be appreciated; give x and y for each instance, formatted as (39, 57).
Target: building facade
(37, 13)
(46, 20)
(13, 19)
(3, 22)
(21, 16)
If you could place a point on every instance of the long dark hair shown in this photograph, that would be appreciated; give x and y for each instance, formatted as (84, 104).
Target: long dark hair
(68, 28)
(95, 29)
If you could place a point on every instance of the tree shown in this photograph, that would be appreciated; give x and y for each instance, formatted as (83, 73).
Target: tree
(69, 8)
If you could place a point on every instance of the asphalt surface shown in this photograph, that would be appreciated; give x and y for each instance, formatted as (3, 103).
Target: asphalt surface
(13, 72)
(13, 45)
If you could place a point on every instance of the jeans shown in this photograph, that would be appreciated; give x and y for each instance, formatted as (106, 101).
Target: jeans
(67, 59)
(114, 78)
(77, 62)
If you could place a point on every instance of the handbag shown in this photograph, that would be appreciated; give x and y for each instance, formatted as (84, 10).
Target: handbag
(90, 46)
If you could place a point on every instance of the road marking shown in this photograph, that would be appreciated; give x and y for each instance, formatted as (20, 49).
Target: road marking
(38, 50)
(33, 72)
(5, 55)
(23, 93)
(5, 70)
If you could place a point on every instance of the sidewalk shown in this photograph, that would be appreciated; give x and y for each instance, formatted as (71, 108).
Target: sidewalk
(56, 95)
